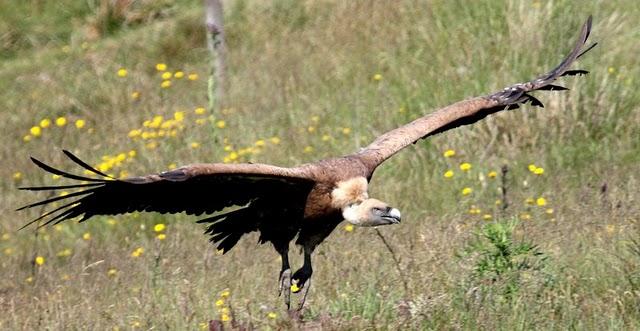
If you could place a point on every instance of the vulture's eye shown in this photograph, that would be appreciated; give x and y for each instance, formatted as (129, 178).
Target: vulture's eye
(377, 210)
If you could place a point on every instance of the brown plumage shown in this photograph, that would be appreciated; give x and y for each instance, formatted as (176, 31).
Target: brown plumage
(306, 202)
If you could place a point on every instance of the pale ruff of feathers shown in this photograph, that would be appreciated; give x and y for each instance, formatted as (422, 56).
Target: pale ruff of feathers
(349, 191)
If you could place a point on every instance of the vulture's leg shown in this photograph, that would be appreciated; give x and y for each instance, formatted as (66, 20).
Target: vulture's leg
(284, 281)
(301, 279)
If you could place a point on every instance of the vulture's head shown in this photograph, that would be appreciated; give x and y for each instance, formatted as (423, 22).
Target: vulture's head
(371, 212)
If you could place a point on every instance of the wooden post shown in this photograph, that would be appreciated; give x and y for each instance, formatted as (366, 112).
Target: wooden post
(215, 43)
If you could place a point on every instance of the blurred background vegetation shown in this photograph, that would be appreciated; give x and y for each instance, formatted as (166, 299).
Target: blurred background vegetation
(123, 85)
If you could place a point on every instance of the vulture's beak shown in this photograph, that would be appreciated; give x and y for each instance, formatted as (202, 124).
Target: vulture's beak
(392, 215)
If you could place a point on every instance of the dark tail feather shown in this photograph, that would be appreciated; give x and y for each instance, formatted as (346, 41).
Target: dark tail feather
(226, 229)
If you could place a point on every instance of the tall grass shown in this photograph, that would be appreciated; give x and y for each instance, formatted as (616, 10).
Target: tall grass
(309, 80)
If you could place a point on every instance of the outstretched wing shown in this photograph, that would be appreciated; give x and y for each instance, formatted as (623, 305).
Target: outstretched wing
(472, 110)
(194, 189)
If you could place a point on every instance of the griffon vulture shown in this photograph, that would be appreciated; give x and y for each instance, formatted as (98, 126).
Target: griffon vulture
(306, 202)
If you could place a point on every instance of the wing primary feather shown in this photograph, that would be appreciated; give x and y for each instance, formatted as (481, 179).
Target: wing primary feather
(49, 213)
(61, 187)
(83, 164)
(46, 201)
(577, 72)
(552, 87)
(62, 173)
(586, 50)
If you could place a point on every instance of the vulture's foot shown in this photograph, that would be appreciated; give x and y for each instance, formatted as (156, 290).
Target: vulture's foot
(301, 281)
(305, 288)
(285, 286)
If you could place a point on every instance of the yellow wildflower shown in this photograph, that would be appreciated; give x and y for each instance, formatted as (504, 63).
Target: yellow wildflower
(65, 252)
(178, 116)
(201, 121)
(193, 77)
(35, 131)
(161, 236)
(311, 129)
(219, 303)
(29, 279)
(525, 216)
(61, 121)
(122, 72)
(295, 288)
(167, 75)
(348, 227)
(611, 70)
(260, 143)
(465, 166)
(8, 251)
(498, 202)
(112, 272)
(233, 156)
(539, 171)
(346, 131)
(6, 236)
(172, 166)
(492, 174)
(26, 138)
(448, 174)
(225, 318)
(549, 211)
(178, 74)
(326, 137)
(225, 293)
(137, 252)
(529, 201)
(466, 191)
(274, 140)
(17, 176)
(487, 217)
(377, 77)
(135, 95)
(272, 315)
(532, 167)
(86, 236)
(159, 227)
(39, 260)
(45, 123)
(194, 145)
(80, 124)
(221, 124)
(112, 221)
(199, 110)
(203, 326)
(449, 153)
(308, 149)
(134, 133)
(474, 210)
(541, 201)
(161, 67)
(165, 84)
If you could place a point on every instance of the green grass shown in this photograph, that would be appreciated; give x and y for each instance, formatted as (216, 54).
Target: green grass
(301, 70)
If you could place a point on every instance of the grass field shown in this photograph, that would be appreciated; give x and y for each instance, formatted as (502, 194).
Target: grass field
(310, 80)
